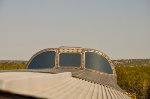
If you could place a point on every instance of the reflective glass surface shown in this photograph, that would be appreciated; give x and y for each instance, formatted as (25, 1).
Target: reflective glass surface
(70, 59)
(97, 62)
(43, 60)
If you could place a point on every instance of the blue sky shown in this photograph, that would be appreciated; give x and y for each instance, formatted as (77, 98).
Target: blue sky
(119, 28)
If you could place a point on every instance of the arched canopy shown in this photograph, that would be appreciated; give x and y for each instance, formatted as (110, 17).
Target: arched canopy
(43, 60)
(72, 57)
(97, 62)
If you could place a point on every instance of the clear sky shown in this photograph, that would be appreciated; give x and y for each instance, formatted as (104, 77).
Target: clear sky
(119, 28)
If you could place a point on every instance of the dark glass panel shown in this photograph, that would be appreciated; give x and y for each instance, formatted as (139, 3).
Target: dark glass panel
(97, 62)
(70, 59)
(43, 60)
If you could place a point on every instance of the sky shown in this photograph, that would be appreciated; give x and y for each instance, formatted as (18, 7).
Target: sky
(119, 28)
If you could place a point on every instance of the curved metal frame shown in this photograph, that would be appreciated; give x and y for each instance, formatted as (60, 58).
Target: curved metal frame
(81, 51)
(44, 50)
(105, 56)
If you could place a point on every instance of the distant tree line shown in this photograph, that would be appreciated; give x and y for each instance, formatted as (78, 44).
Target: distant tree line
(12, 65)
(134, 80)
(132, 62)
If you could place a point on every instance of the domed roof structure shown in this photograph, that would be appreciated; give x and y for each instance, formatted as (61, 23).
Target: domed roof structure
(91, 75)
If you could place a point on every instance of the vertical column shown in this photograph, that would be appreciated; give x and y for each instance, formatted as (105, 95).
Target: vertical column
(57, 58)
(83, 59)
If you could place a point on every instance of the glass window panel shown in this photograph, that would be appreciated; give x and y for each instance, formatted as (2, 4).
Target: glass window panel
(97, 62)
(70, 59)
(43, 60)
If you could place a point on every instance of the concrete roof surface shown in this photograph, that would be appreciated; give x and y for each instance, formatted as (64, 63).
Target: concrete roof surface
(56, 86)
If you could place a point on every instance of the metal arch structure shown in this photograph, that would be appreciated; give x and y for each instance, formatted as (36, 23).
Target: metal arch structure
(79, 50)
(105, 56)
(40, 52)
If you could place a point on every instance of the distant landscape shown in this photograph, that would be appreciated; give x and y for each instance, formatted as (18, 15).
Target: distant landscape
(12, 64)
(133, 75)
